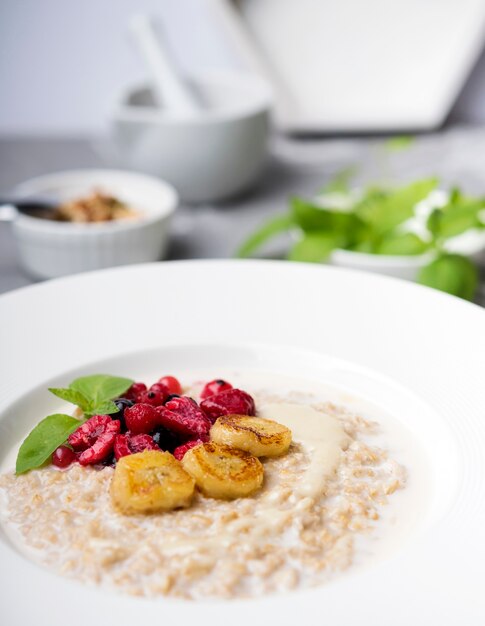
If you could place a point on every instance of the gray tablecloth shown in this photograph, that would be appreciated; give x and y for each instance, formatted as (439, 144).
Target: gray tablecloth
(295, 167)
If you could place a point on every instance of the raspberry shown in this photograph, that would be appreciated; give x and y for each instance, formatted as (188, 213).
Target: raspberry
(232, 401)
(84, 437)
(131, 444)
(63, 456)
(215, 387)
(121, 447)
(172, 384)
(141, 418)
(134, 391)
(95, 439)
(181, 450)
(154, 397)
(183, 417)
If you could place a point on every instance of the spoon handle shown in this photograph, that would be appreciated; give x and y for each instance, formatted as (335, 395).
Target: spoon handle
(171, 90)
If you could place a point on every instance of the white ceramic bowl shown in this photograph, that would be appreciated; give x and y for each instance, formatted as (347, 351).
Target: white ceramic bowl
(49, 249)
(470, 244)
(209, 158)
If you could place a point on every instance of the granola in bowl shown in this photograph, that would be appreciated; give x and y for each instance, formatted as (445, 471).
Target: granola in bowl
(210, 492)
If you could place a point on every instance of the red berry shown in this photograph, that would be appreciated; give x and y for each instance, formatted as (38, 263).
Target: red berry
(134, 391)
(63, 456)
(84, 437)
(179, 452)
(131, 444)
(121, 447)
(138, 443)
(141, 418)
(183, 417)
(160, 387)
(215, 387)
(232, 401)
(172, 384)
(154, 397)
(95, 439)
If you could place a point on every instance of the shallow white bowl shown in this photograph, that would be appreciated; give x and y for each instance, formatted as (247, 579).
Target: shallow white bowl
(49, 249)
(208, 158)
(290, 318)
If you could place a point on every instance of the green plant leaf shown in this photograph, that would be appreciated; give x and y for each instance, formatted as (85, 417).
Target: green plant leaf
(385, 210)
(100, 387)
(340, 183)
(312, 217)
(451, 273)
(397, 244)
(314, 247)
(274, 226)
(103, 408)
(458, 216)
(400, 142)
(71, 395)
(50, 433)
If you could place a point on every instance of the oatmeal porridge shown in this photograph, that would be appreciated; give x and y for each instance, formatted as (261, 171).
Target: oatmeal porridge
(322, 491)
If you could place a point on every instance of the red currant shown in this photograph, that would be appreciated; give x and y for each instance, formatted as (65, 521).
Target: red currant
(63, 457)
(134, 391)
(152, 397)
(215, 387)
(172, 384)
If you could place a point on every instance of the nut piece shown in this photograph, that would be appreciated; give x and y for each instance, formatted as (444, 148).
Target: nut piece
(256, 435)
(150, 481)
(223, 472)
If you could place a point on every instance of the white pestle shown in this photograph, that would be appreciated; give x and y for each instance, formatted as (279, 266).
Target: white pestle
(171, 90)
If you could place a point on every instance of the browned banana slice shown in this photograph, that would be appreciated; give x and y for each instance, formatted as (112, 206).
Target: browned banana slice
(256, 435)
(223, 472)
(150, 481)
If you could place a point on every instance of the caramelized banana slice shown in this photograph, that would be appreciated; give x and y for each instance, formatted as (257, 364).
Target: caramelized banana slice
(149, 482)
(223, 472)
(256, 435)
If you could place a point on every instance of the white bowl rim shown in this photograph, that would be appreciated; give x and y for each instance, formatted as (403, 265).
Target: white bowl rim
(34, 186)
(365, 259)
(251, 107)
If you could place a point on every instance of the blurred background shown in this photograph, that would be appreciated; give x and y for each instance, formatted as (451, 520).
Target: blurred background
(288, 93)
(62, 63)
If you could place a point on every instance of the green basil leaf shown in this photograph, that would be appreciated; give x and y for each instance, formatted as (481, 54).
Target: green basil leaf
(386, 210)
(274, 226)
(401, 244)
(340, 183)
(451, 273)
(455, 218)
(103, 408)
(49, 434)
(101, 387)
(400, 142)
(311, 217)
(315, 247)
(71, 395)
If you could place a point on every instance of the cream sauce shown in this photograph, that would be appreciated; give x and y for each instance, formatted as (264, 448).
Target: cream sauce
(319, 433)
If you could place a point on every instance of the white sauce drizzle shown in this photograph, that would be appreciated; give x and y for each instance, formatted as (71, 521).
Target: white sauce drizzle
(324, 439)
(321, 434)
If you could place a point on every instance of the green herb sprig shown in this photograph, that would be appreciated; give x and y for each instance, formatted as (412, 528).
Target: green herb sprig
(374, 222)
(92, 394)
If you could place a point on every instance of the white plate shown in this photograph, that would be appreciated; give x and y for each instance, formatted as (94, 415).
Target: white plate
(417, 353)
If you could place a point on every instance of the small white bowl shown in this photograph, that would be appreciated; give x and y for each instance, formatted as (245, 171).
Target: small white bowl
(50, 249)
(207, 158)
(470, 244)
